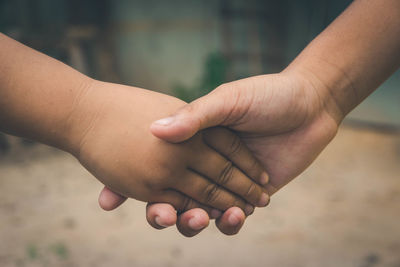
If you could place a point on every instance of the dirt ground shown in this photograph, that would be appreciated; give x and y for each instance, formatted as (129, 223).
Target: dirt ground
(343, 211)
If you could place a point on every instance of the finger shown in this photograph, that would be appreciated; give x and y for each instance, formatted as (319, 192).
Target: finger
(207, 111)
(180, 202)
(189, 223)
(109, 200)
(229, 145)
(231, 221)
(192, 222)
(221, 171)
(211, 194)
(160, 215)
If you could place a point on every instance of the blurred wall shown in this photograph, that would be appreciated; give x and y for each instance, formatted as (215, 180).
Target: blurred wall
(161, 44)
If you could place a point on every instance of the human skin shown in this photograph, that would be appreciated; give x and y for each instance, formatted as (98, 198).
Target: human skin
(106, 127)
(119, 150)
(288, 118)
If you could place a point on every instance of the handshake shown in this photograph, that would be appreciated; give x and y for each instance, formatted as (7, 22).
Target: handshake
(220, 156)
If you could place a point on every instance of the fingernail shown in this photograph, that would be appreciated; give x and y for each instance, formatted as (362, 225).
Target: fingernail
(158, 221)
(248, 210)
(264, 200)
(233, 220)
(165, 122)
(194, 224)
(264, 178)
(215, 214)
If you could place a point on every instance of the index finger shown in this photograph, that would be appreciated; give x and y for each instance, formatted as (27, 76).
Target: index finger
(229, 145)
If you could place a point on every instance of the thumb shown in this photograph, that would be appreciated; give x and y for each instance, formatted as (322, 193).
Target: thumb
(109, 200)
(202, 113)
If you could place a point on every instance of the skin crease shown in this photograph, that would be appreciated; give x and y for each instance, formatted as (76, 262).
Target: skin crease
(279, 145)
(123, 163)
(106, 127)
(286, 119)
(295, 133)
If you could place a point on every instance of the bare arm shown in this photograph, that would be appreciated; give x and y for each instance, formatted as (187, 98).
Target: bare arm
(354, 55)
(288, 118)
(37, 94)
(106, 127)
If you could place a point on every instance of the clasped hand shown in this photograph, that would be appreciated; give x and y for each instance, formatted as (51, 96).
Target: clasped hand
(285, 120)
(213, 170)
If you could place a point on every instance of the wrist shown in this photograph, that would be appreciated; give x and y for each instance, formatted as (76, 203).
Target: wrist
(78, 117)
(335, 90)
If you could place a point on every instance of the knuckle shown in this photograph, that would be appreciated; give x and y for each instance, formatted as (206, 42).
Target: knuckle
(226, 174)
(235, 146)
(158, 181)
(222, 87)
(191, 111)
(186, 204)
(211, 193)
(238, 203)
(255, 165)
(188, 108)
(251, 191)
(255, 169)
(152, 184)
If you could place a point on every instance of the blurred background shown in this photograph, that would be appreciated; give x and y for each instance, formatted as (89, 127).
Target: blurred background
(343, 211)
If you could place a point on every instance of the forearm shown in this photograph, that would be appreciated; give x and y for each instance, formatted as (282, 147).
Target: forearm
(37, 94)
(354, 55)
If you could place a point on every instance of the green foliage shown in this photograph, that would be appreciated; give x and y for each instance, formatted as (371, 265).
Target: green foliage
(32, 252)
(60, 250)
(214, 74)
(40, 254)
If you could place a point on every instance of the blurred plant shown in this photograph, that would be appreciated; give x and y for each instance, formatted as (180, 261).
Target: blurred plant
(44, 256)
(60, 250)
(214, 74)
(32, 252)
